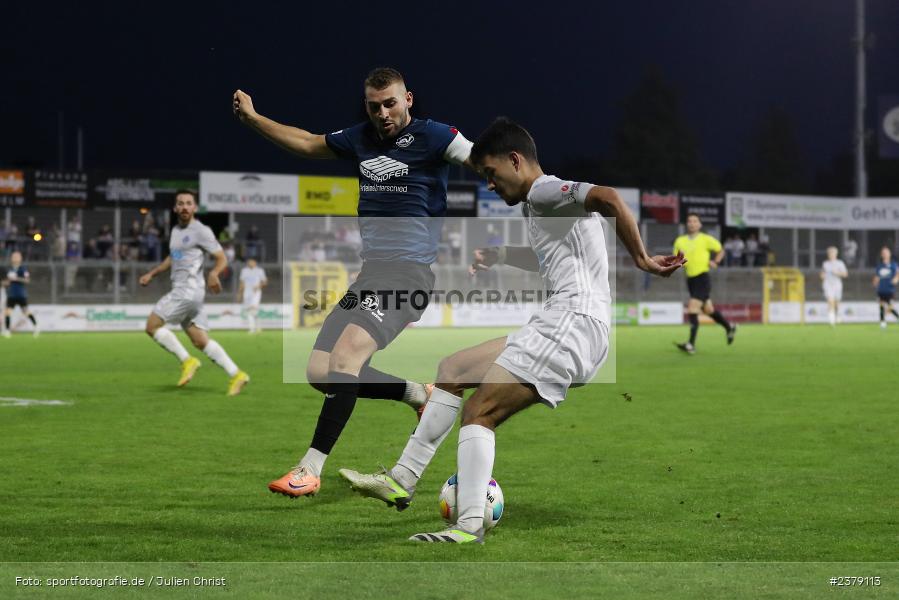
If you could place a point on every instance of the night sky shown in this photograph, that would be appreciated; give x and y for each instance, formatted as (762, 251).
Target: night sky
(152, 87)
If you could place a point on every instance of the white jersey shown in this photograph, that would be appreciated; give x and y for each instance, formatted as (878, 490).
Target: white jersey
(186, 248)
(570, 246)
(251, 279)
(832, 271)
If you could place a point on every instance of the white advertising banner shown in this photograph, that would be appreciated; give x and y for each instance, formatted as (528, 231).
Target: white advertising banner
(660, 313)
(784, 312)
(249, 192)
(811, 212)
(132, 317)
(848, 312)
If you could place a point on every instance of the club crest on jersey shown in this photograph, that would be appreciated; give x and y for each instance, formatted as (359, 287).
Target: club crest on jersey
(186, 239)
(383, 168)
(405, 140)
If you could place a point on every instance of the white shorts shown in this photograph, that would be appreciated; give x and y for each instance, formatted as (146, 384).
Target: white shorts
(556, 350)
(252, 300)
(184, 307)
(833, 291)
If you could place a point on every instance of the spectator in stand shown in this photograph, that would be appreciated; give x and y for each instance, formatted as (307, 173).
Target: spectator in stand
(57, 243)
(850, 251)
(73, 238)
(764, 250)
(31, 228)
(105, 241)
(150, 246)
(12, 238)
(91, 250)
(733, 248)
(253, 244)
(752, 251)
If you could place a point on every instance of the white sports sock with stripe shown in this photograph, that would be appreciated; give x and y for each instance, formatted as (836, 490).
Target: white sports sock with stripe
(477, 448)
(169, 341)
(436, 422)
(218, 355)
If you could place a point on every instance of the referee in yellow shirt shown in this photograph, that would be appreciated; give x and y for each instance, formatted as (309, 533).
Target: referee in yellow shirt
(702, 252)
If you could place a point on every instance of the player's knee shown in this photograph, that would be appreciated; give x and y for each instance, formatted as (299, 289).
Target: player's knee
(317, 376)
(449, 376)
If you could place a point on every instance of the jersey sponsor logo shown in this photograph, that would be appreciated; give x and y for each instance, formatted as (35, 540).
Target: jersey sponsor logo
(383, 168)
(177, 254)
(405, 140)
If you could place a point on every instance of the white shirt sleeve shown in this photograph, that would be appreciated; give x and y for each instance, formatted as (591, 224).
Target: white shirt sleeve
(208, 242)
(556, 195)
(458, 150)
(262, 276)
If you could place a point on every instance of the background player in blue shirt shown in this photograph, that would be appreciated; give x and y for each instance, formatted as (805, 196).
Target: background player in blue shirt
(886, 276)
(403, 166)
(15, 282)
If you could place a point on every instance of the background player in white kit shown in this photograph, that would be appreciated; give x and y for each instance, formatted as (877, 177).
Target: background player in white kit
(833, 271)
(189, 243)
(563, 345)
(252, 280)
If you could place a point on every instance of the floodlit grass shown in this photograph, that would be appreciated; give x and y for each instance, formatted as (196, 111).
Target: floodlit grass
(781, 447)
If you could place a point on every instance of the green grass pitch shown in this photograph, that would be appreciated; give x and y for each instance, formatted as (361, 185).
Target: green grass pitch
(739, 461)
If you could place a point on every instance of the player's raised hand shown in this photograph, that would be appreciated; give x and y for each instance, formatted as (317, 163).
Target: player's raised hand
(484, 258)
(145, 279)
(215, 286)
(242, 105)
(663, 266)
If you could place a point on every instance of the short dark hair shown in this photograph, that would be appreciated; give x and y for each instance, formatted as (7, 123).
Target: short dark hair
(693, 214)
(381, 77)
(193, 194)
(502, 137)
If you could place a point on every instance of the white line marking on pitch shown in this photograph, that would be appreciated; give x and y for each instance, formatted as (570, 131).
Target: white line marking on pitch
(9, 401)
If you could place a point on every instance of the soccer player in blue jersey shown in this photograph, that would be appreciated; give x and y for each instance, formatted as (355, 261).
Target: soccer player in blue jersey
(886, 276)
(16, 280)
(403, 167)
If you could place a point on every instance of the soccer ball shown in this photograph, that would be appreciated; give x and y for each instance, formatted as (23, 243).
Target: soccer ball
(493, 510)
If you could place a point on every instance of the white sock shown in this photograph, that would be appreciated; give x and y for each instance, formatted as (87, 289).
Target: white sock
(436, 423)
(252, 319)
(218, 355)
(415, 394)
(314, 461)
(169, 341)
(475, 459)
(832, 317)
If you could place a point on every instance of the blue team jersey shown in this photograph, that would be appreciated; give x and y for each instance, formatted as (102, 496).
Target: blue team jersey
(16, 288)
(404, 177)
(886, 272)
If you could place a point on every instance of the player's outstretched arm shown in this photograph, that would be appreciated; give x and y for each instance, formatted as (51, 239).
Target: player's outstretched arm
(162, 267)
(608, 203)
(522, 257)
(212, 280)
(293, 139)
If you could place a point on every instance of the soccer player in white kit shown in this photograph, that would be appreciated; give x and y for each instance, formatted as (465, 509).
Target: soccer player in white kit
(252, 280)
(189, 243)
(563, 345)
(833, 271)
